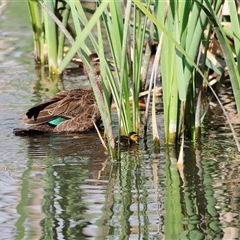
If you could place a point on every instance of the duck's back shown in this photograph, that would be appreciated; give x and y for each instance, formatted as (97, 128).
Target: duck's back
(77, 106)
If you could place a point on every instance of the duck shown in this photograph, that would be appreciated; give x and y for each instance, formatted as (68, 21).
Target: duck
(67, 111)
(127, 140)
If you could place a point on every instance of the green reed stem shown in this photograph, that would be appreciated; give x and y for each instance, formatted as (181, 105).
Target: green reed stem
(35, 17)
(51, 37)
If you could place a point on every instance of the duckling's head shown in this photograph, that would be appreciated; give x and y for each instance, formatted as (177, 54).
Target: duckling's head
(130, 139)
(133, 137)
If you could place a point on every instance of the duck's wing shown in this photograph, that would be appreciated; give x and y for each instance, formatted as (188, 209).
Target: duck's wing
(40, 114)
(65, 104)
(74, 104)
(34, 111)
(81, 122)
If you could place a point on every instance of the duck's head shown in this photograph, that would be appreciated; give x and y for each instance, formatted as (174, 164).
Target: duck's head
(95, 69)
(94, 63)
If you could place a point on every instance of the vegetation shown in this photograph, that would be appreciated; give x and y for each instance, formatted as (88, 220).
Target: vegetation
(143, 190)
(184, 31)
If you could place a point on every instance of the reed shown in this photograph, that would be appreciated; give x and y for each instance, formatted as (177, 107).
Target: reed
(126, 38)
(49, 41)
(182, 26)
(179, 27)
(229, 52)
(121, 39)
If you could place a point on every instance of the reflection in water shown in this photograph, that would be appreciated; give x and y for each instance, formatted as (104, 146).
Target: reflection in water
(81, 194)
(58, 167)
(70, 191)
(46, 86)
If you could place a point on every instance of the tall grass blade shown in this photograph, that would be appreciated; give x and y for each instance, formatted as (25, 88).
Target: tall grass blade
(84, 34)
(35, 17)
(51, 37)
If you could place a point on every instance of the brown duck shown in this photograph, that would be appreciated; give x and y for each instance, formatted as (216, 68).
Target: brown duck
(73, 110)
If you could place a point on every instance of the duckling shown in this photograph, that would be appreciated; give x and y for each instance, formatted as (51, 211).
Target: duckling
(129, 140)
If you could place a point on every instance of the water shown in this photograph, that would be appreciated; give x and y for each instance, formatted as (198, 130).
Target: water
(67, 187)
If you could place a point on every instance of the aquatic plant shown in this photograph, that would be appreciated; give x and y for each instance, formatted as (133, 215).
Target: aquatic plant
(49, 41)
(178, 26)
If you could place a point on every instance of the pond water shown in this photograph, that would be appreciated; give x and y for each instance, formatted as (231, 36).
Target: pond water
(67, 187)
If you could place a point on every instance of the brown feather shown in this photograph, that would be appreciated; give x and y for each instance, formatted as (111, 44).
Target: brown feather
(78, 106)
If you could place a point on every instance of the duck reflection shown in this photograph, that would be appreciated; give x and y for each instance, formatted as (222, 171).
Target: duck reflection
(66, 173)
(67, 149)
